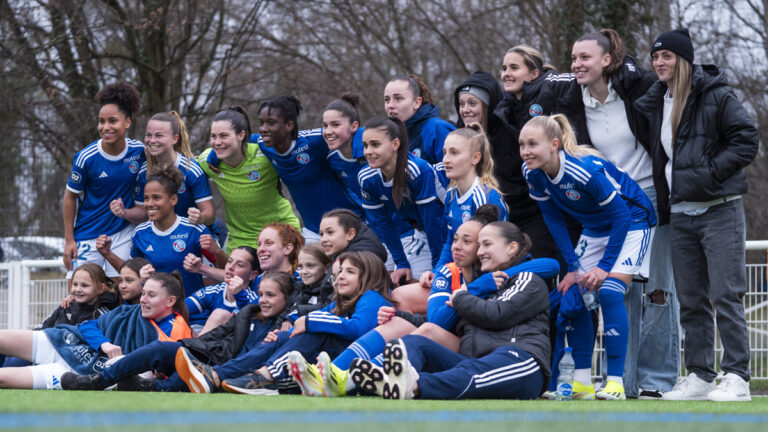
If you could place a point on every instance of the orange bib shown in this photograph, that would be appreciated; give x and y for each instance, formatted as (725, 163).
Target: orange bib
(180, 330)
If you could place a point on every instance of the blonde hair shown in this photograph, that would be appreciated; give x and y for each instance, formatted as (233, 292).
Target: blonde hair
(533, 58)
(177, 128)
(475, 136)
(680, 89)
(558, 127)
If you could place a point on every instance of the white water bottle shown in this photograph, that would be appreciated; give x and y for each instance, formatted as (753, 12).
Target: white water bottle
(565, 379)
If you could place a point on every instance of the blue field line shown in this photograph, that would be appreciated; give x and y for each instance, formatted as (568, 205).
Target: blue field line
(81, 419)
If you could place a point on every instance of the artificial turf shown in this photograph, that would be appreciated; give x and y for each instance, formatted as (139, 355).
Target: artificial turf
(118, 411)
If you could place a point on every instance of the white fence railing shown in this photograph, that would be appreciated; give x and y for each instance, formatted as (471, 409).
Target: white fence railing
(31, 290)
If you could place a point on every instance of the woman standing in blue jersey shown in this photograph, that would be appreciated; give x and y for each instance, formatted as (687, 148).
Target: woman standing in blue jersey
(166, 238)
(104, 174)
(344, 136)
(396, 182)
(299, 157)
(469, 166)
(167, 143)
(617, 218)
(408, 98)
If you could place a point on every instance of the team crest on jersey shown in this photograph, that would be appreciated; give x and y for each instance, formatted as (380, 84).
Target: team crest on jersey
(182, 188)
(417, 152)
(254, 176)
(134, 167)
(179, 245)
(573, 194)
(535, 110)
(75, 177)
(302, 158)
(465, 216)
(365, 195)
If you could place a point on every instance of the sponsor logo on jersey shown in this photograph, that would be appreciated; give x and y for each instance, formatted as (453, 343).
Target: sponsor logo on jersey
(365, 195)
(566, 185)
(254, 176)
(150, 248)
(302, 158)
(573, 194)
(179, 245)
(535, 110)
(134, 166)
(344, 174)
(465, 216)
(103, 175)
(75, 177)
(440, 283)
(71, 339)
(200, 294)
(530, 186)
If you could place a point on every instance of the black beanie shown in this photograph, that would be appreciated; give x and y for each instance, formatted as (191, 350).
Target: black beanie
(678, 41)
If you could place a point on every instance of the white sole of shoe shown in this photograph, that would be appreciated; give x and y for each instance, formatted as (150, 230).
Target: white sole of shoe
(369, 377)
(394, 366)
(257, 392)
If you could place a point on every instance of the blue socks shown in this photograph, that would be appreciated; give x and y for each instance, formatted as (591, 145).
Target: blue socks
(615, 324)
(365, 347)
(581, 339)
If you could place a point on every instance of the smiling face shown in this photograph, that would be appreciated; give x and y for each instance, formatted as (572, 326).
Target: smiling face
(348, 279)
(337, 129)
(129, 285)
(84, 289)
(400, 101)
(158, 203)
(275, 132)
(155, 301)
(536, 150)
(271, 250)
(112, 125)
(471, 109)
(239, 264)
(515, 73)
(310, 269)
(333, 238)
(494, 252)
(588, 61)
(271, 300)
(664, 63)
(458, 158)
(379, 150)
(224, 141)
(464, 246)
(159, 139)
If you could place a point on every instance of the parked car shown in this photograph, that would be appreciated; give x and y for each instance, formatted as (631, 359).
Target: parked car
(30, 248)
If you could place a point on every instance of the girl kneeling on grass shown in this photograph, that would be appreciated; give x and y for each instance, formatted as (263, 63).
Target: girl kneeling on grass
(361, 288)
(242, 333)
(85, 348)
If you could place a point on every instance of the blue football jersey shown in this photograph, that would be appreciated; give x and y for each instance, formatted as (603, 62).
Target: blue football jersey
(99, 178)
(166, 249)
(195, 188)
(422, 209)
(458, 209)
(206, 300)
(305, 171)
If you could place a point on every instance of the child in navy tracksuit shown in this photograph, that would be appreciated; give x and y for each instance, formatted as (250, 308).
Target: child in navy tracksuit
(504, 349)
(361, 288)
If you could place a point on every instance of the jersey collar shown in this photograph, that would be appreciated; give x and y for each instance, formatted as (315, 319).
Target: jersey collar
(169, 230)
(108, 156)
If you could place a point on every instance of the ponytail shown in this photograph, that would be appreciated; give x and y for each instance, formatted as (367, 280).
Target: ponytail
(347, 106)
(394, 128)
(177, 128)
(240, 122)
(558, 127)
(611, 43)
(418, 88)
(474, 135)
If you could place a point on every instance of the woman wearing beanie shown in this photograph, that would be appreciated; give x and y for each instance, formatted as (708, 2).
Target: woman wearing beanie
(702, 139)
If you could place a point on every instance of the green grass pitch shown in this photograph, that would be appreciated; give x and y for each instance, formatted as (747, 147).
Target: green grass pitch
(119, 411)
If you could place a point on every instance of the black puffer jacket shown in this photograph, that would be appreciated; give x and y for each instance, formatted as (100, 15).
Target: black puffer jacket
(715, 140)
(504, 148)
(516, 315)
(561, 94)
(224, 342)
(77, 312)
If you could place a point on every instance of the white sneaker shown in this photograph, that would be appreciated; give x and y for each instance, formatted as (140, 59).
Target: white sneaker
(689, 388)
(732, 388)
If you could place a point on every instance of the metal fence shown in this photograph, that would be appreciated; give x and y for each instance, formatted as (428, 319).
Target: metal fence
(31, 289)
